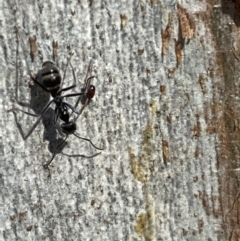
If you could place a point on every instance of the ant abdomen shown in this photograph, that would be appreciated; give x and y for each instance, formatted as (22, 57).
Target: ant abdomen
(50, 77)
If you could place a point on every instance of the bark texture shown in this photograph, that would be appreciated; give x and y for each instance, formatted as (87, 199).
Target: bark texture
(165, 111)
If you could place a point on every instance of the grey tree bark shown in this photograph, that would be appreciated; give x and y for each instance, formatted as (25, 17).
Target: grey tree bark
(165, 110)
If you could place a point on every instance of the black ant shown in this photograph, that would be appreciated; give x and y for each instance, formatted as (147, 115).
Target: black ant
(49, 79)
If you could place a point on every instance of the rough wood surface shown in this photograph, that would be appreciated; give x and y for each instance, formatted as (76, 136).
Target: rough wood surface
(165, 110)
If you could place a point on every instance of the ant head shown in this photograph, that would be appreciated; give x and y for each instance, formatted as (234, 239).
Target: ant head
(69, 127)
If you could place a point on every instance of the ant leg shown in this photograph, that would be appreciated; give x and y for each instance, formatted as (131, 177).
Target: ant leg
(35, 124)
(77, 102)
(25, 112)
(23, 104)
(72, 94)
(88, 71)
(56, 115)
(80, 98)
(20, 40)
(88, 79)
(68, 88)
(87, 82)
(24, 52)
(39, 84)
(68, 105)
(64, 74)
(88, 141)
(85, 99)
(73, 72)
(55, 153)
(28, 68)
(74, 77)
(79, 155)
(71, 107)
